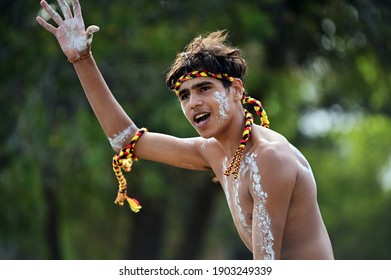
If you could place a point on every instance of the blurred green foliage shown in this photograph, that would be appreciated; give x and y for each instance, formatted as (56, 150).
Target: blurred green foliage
(321, 69)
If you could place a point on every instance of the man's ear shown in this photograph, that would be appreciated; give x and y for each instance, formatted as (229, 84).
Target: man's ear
(237, 89)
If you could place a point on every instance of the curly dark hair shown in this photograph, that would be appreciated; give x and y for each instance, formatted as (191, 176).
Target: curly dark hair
(208, 53)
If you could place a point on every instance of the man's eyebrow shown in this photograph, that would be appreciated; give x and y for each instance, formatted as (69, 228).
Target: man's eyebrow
(183, 91)
(201, 84)
(198, 85)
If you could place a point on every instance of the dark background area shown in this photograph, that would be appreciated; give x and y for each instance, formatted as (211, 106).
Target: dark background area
(320, 68)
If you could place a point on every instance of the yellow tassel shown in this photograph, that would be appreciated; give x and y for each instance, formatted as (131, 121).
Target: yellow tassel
(127, 164)
(124, 159)
(121, 197)
(134, 204)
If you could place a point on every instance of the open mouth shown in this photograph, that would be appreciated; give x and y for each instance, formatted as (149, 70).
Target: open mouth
(201, 117)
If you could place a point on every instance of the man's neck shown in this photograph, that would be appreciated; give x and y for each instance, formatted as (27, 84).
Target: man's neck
(230, 138)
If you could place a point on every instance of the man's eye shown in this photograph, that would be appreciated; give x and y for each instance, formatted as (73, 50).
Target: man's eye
(184, 96)
(204, 88)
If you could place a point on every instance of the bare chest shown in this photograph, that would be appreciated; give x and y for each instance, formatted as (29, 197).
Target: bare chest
(241, 207)
(247, 202)
(240, 202)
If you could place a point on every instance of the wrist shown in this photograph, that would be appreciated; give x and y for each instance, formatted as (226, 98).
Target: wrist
(80, 57)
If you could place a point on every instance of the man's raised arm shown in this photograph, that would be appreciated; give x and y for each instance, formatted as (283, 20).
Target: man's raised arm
(75, 41)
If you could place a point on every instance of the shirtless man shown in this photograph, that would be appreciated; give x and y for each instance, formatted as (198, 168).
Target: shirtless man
(269, 185)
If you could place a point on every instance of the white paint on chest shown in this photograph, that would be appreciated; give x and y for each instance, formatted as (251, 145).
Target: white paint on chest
(222, 100)
(239, 210)
(262, 219)
(261, 222)
(225, 186)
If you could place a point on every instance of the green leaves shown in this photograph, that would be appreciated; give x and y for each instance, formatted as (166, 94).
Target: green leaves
(327, 60)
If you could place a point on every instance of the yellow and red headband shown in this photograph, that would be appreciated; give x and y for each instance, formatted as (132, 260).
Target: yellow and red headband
(197, 74)
(246, 100)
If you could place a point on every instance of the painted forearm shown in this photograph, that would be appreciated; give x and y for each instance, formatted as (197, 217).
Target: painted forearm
(75, 41)
(116, 124)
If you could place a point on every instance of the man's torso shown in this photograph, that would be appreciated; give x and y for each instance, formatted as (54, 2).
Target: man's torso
(303, 235)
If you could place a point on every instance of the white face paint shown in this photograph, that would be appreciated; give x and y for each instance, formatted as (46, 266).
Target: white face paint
(119, 140)
(222, 100)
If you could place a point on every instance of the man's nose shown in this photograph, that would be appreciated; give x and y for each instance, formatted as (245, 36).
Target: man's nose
(195, 101)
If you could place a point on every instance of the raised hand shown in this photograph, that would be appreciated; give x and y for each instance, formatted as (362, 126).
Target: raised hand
(74, 39)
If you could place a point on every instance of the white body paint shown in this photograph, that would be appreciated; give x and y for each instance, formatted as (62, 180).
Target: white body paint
(307, 167)
(75, 40)
(222, 100)
(119, 140)
(63, 5)
(249, 169)
(225, 186)
(206, 142)
(189, 142)
(239, 211)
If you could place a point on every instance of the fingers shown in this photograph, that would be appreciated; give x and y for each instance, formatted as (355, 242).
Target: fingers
(77, 9)
(90, 33)
(53, 14)
(92, 29)
(90, 36)
(65, 9)
(46, 25)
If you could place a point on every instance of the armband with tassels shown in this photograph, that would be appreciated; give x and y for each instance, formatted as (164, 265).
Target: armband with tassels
(124, 159)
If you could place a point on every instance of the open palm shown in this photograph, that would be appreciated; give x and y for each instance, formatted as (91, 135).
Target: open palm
(74, 39)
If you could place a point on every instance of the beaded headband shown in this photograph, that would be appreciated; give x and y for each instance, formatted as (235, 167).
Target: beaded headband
(197, 74)
(234, 166)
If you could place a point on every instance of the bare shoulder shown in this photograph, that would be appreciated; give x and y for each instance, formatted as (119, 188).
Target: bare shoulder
(211, 150)
(273, 148)
(276, 160)
(283, 167)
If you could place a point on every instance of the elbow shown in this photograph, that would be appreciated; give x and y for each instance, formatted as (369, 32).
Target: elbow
(115, 146)
(120, 140)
